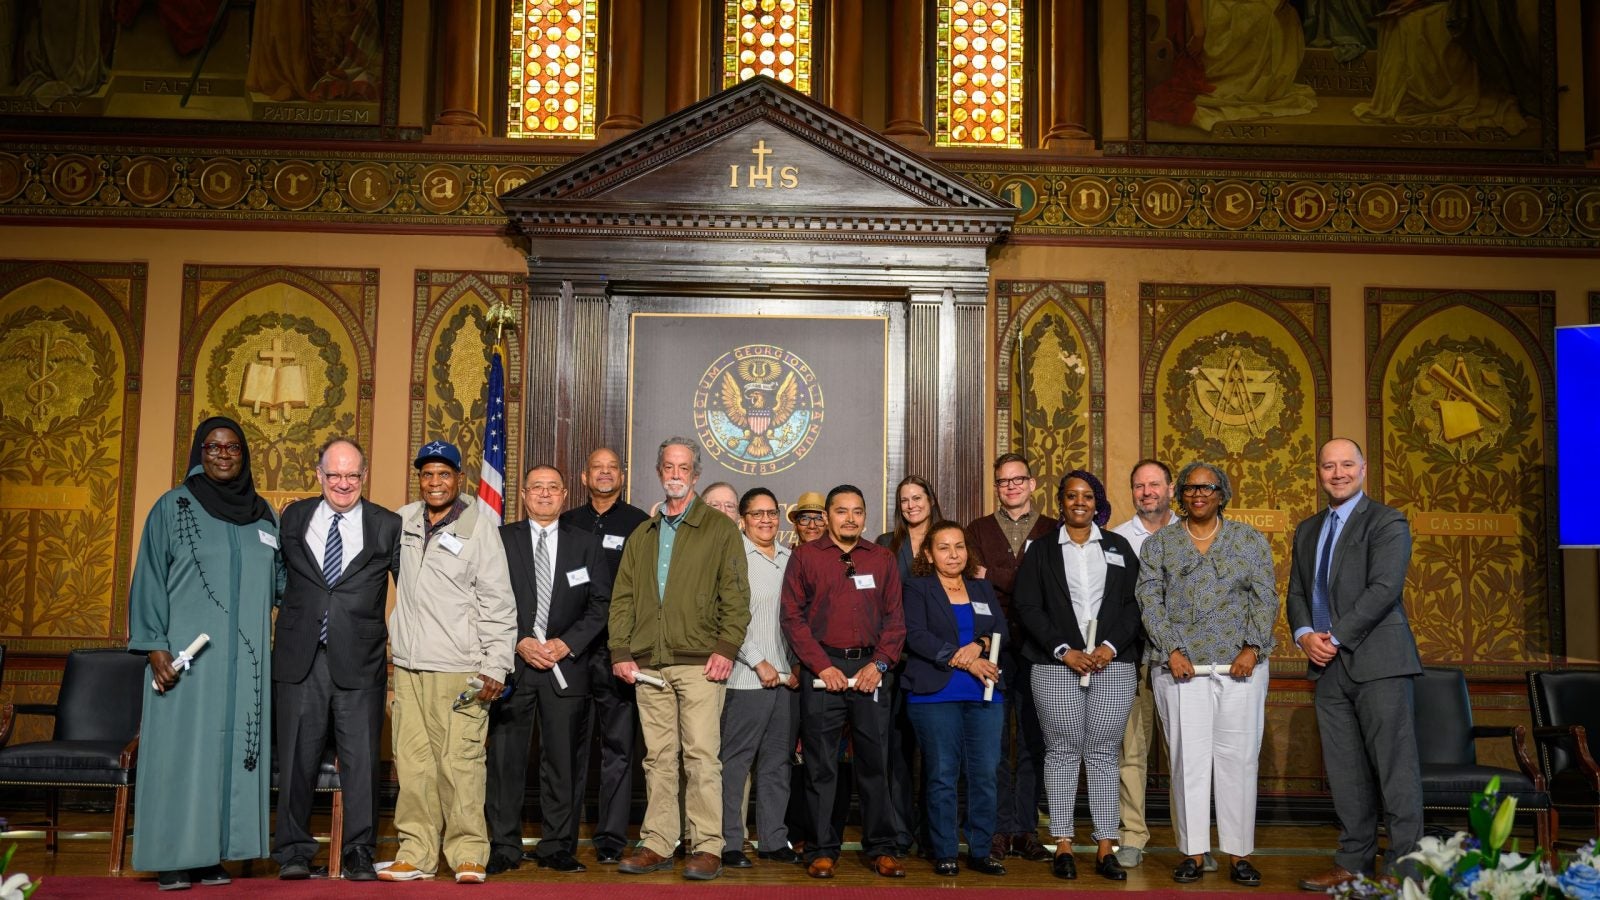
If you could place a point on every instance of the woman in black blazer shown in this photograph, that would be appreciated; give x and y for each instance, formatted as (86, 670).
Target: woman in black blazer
(951, 616)
(1082, 688)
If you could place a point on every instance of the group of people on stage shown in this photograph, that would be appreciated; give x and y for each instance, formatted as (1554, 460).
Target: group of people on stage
(1009, 653)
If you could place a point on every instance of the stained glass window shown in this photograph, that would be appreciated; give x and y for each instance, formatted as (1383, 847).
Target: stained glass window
(978, 73)
(554, 44)
(767, 37)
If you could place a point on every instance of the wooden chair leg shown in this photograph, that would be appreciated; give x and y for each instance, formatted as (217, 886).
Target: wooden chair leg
(336, 839)
(119, 829)
(1541, 831)
(52, 815)
(1555, 826)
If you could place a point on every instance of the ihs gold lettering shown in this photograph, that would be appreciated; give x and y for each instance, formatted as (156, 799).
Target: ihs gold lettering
(788, 177)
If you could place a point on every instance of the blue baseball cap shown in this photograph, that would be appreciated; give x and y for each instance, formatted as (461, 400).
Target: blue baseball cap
(439, 451)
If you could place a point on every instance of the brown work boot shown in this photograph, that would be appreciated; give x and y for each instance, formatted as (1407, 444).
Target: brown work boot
(888, 867)
(1000, 846)
(1027, 846)
(821, 867)
(643, 860)
(1328, 880)
(702, 866)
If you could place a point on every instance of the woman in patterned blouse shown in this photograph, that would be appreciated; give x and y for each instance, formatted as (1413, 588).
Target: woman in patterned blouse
(1209, 600)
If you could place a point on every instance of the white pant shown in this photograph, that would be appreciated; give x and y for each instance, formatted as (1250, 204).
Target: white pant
(1213, 728)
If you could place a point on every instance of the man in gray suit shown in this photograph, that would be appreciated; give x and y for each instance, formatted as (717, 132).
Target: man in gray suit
(1346, 607)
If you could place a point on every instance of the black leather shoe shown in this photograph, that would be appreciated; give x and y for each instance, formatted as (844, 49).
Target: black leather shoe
(1108, 867)
(562, 861)
(1244, 873)
(735, 859)
(608, 856)
(1187, 871)
(296, 869)
(1064, 866)
(500, 862)
(782, 855)
(176, 880)
(986, 865)
(357, 865)
(946, 867)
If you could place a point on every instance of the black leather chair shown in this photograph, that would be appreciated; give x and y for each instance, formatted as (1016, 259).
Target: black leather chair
(327, 783)
(96, 738)
(1566, 731)
(1447, 748)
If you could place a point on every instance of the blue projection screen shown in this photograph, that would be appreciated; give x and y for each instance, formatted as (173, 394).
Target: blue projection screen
(1578, 433)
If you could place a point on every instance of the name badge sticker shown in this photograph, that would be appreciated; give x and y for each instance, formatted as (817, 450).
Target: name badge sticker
(613, 541)
(865, 582)
(450, 542)
(578, 576)
(271, 540)
(981, 609)
(1114, 558)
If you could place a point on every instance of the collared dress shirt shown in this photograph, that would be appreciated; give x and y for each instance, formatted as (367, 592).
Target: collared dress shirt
(1335, 520)
(1134, 531)
(824, 607)
(350, 533)
(763, 639)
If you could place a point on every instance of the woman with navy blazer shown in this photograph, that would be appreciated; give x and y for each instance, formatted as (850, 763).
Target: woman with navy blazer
(950, 617)
(1083, 689)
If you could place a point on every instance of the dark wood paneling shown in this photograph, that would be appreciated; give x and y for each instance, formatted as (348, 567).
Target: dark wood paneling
(968, 369)
(922, 393)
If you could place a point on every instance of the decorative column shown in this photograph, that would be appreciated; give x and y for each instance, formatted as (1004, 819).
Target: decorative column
(907, 27)
(845, 23)
(686, 53)
(1591, 77)
(624, 69)
(460, 27)
(1068, 68)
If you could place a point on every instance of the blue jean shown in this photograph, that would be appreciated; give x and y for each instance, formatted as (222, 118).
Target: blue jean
(961, 738)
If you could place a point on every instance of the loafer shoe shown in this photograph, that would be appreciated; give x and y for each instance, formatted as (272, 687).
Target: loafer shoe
(1187, 872)
(1243, 873)
(986, 865)
(1109, 868)
(735, 859)
(357, 865)
(296, 869)
(703, 866)
(176, 880)
(888, 867)
(643, 860)
(1064, 866)
(1327, 881)
(471, 873)
(562, 861)
(821, 867)
(401, 871)
(947, 867)
(782, 855)
(1130, 857)
(608, 856)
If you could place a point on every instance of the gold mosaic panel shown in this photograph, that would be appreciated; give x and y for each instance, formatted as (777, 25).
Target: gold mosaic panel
(554, 73)
(770, 38)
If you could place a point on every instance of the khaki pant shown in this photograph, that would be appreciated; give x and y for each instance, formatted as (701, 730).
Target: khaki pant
(439, 761)
(1135, 769)
(685, 716)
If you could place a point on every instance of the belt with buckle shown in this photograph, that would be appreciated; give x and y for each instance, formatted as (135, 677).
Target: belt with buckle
(849, 652)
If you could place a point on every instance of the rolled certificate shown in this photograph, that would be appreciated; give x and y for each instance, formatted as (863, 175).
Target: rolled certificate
(555, 669)
(185, 657)
(1089, 642)
(1213, 669)
(649, 679)
(818, 683)
(994, 657)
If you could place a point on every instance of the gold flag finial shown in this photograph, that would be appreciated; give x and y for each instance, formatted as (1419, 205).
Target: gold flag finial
(500, 315)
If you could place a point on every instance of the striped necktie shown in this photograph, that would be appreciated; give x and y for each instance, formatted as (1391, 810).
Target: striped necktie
(542, 584)
(332, 566)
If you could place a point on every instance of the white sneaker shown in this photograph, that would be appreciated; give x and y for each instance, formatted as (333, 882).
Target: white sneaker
(1130, 857)
(1210, 863)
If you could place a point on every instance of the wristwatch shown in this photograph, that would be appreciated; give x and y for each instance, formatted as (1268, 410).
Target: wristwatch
(883, 667)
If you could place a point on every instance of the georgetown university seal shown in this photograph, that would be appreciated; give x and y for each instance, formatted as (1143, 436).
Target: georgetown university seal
(758, 409)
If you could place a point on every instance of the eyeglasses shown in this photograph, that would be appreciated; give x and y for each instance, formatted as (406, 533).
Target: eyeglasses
(1016, 481)
(762, 514)
(213, 449)
(809, 519)
(1204, 490)
(849, 565)
(336, 478)
(543, 488)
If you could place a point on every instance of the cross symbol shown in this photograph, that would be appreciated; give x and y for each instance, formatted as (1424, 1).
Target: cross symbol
(276, 355)
(761, 150)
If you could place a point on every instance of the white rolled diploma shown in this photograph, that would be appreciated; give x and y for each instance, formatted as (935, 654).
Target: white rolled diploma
(185, 657)
(994, 657)
(1214, 669)
(555, 669)
(1089, 642)
(648, 679)
(850, 684)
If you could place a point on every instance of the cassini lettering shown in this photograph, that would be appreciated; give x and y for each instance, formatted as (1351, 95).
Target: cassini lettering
(1460, 524)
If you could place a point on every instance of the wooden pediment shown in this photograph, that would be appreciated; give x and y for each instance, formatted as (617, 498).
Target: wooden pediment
(757, 157)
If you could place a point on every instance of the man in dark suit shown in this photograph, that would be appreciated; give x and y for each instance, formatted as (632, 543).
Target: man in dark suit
(1346, 606)
(328, 660)
(563, 589)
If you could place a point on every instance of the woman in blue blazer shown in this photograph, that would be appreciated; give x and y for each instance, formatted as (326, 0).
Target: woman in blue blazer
(950, 617)
(1082, 688)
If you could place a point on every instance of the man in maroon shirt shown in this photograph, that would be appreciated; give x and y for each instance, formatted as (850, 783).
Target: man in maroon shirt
(1001, 539)
(842, 616)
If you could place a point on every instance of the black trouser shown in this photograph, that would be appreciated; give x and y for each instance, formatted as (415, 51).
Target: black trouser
(1017, 780)
(614, 717)
(304, 711)
(511, 721)
(907, 780)
(823, 716)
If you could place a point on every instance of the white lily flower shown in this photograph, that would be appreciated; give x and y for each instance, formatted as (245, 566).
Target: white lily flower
(12, 888)
(1410, 890)
(1437, 855)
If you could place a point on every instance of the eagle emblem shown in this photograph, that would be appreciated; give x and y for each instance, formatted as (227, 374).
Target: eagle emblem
(758, 409)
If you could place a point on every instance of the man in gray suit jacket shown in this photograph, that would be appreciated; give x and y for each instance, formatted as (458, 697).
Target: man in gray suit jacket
(1346, 607)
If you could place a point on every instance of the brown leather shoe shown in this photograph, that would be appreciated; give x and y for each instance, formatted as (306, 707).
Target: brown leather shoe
(643, 860)
(1000, 846)
(1328, 880)
(1027, 846)
(702, 866)
(888, 867)
(821, 867)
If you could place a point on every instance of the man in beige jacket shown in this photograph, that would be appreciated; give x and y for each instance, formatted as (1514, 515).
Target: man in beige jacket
(454, 621)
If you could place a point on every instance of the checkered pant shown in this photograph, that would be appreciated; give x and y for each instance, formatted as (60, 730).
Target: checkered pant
(1083, 724)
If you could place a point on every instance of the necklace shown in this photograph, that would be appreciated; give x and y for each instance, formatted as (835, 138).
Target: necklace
(1198, 539)
(960, 587)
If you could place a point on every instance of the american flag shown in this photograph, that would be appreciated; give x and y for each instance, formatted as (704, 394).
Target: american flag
(491, 475)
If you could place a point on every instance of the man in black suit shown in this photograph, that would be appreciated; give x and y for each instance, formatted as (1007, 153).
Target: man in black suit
(328, 660)
(563, 589)
(614, 713)
(1347, 608)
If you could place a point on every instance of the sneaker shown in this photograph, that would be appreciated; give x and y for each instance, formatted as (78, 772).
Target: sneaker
(1130, 857)
(401, 871)
(177, 880)
(1210, 863)
(211, 876)
(471, 873)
